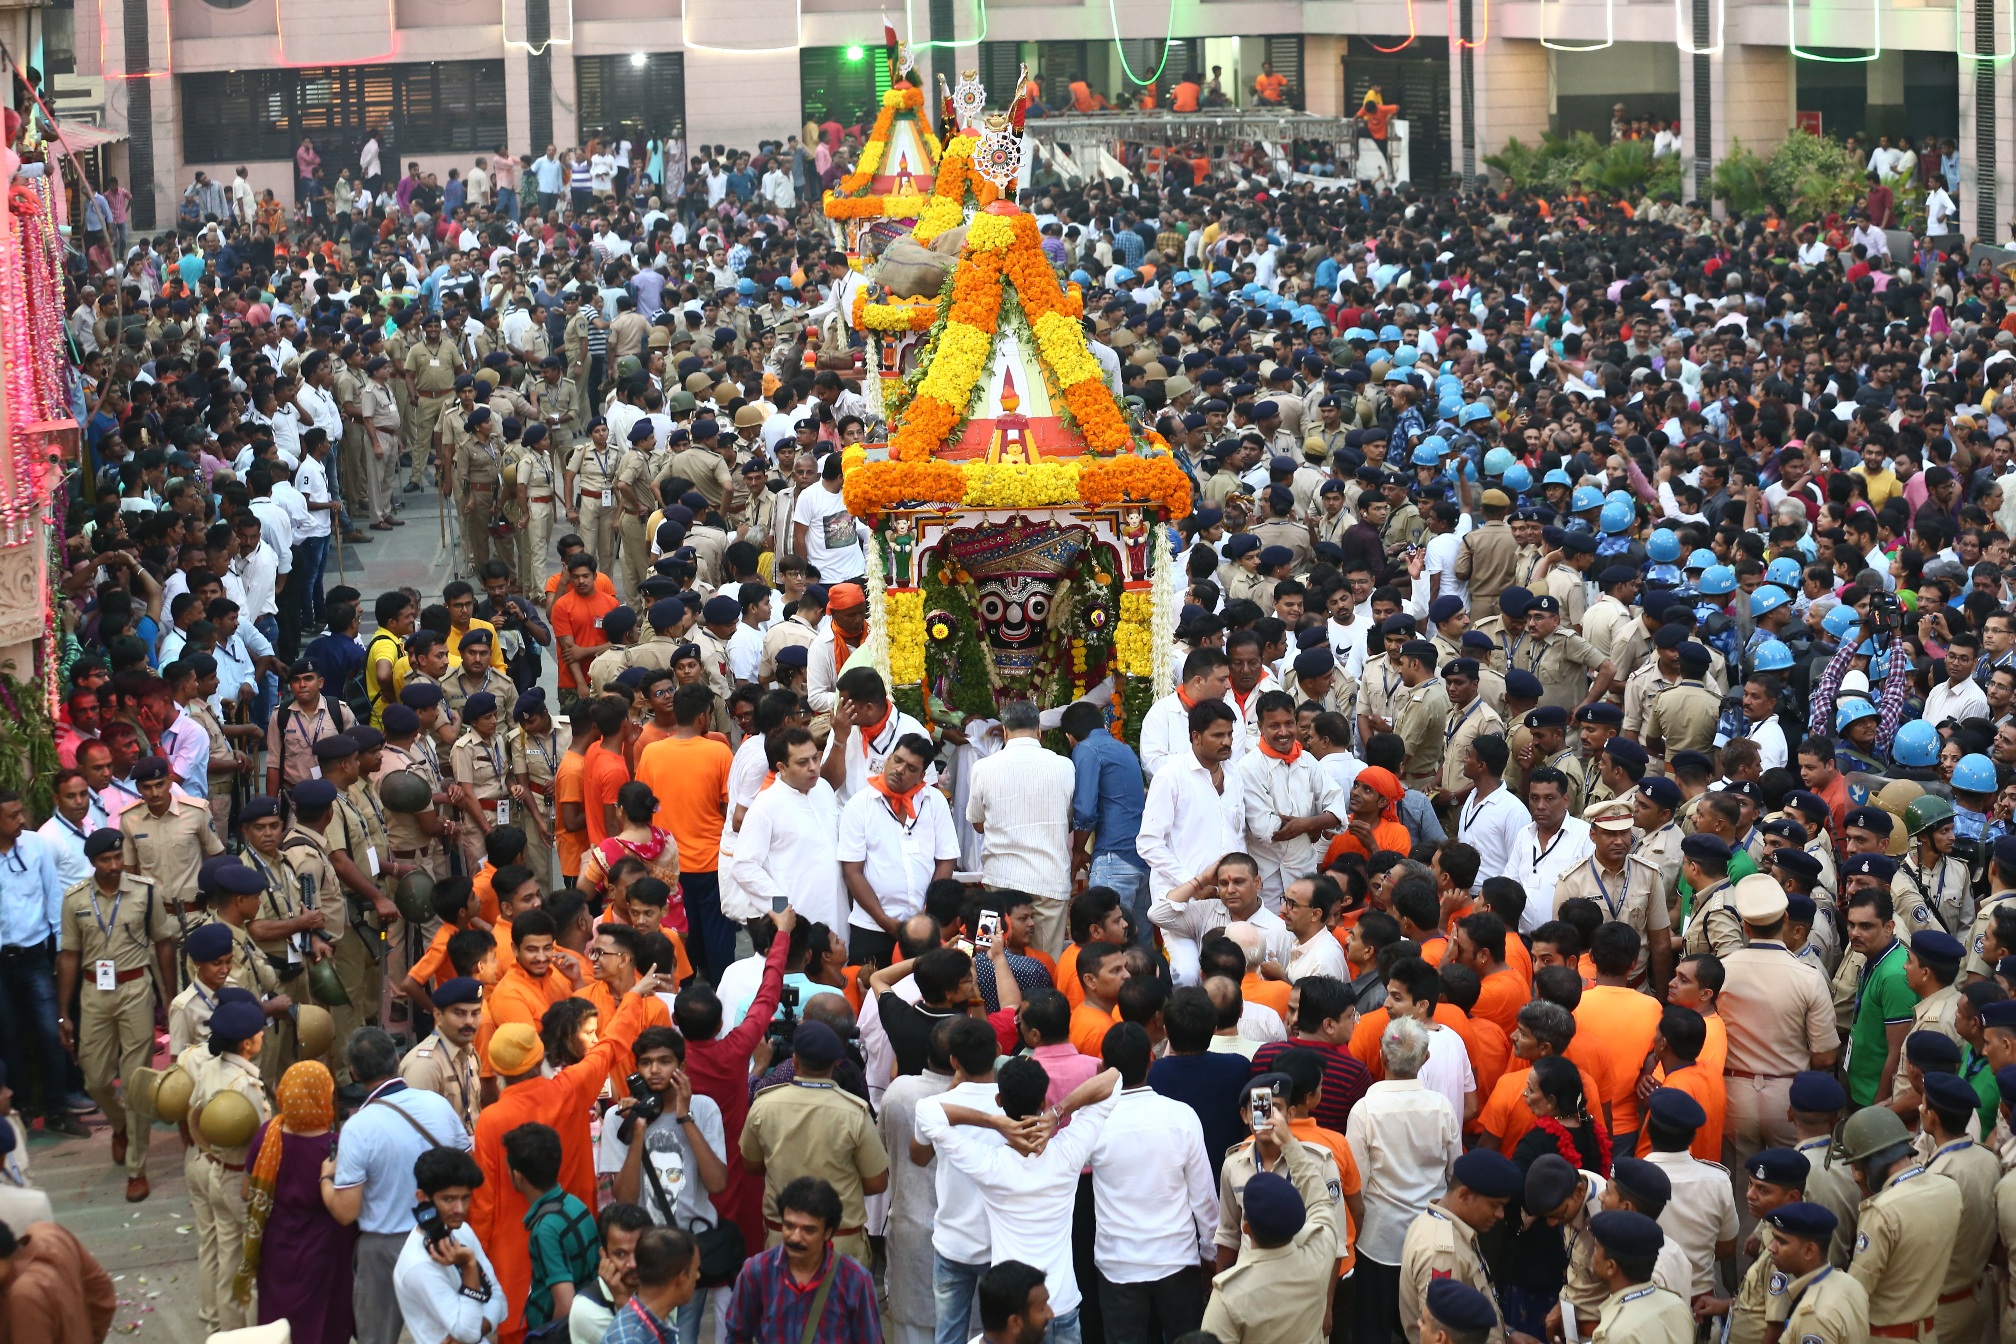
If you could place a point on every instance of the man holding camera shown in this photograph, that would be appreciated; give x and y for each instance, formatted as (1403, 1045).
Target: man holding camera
(445, 1286)
(668, 1152)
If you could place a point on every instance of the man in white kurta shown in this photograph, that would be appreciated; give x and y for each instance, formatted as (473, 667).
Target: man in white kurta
(788, 846)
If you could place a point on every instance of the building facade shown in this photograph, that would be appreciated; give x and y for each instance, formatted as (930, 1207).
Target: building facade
(216, 84)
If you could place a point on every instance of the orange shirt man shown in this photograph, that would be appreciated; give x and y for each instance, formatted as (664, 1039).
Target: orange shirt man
(1479, 943)
(1102, 970)
(1620, 1024)
(613, 959)
(1184, 99)
(1269, 87)
(688, 774)
(1105, 925)
(604, 773)
(561, 1103)
(568, 780)
(1680, 1044)
(577, 618)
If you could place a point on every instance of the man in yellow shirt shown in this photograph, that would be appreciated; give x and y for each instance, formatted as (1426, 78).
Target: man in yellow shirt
(1875, 470)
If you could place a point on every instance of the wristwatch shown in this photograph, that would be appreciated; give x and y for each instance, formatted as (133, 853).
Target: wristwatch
(686, 1119)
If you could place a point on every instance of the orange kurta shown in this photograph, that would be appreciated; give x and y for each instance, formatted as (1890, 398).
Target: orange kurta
(1371, 1026)
(1501, 997)
(1490, 1055)
(518, 997)
(656, 1014)
(560, 1102)
(1088, 1029)
(1618, 1024)
(483, 887)
(1706, 1088)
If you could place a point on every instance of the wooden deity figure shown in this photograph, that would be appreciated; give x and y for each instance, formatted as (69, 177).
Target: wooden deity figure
(1134, 535)
(902, 541)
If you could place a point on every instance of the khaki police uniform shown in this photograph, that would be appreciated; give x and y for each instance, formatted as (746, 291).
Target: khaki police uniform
(114, 937)
(1568, 761)
(378, 403)
(1439, 1245)
(433, 368)
(305, 853)
(1422, 720)
(533, 759)
(710, 554)
(1937, 1012)
(396, 349)
(1777, 1014)
(217, 1181)
(1644, 685)
(593, 472)
(1636, 896)
(199, 712)
(1943, 891)
(561, 407)
(1465, 726)
(352, 450)
(1963, 1307)
(1486, 560)
(1977, 936)
(460, 686)
(449, 1071)
(1291, 536)
(1645, 1314)
(250, 971)
(408, 842)
(480, 767)
(1756, 1305)
(1382, 690)
(1832, 1187)
(608, 665)
(1683, 717)
(1563, 662)
(356, 828)
(706, 468)
(284, 958)
(479, 476)
(815, 1128)
(539, 486)
(169, 851)
(189, 1019)
(1828, 1307)
(634, 502)
(1282, 1293)
(1903, 1246)
(1715, 927)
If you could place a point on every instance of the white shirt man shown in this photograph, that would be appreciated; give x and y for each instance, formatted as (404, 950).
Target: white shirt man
(1187, 824)
(257, 572)
(898, 855)
(788, 847)
(1165, 732)
(1319, 954)
(1028, 1199)
(959, 1232)
(431, 1297)
(1272, 789)
(311, 480)
(66, 845)
(1020, 802)
(1491, 825)
(1142, 1235)
(866, 756)
(1701, 1212)
(1537, 864)
(1950, 701)
(1405, 1140)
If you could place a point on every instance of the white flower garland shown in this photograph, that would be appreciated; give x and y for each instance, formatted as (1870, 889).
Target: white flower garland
(1163, 611)
(878, 611)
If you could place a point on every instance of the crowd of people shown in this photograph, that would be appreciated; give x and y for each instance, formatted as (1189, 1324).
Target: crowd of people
(1570, 891)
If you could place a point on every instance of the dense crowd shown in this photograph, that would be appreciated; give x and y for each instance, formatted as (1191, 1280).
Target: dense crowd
(1569, 894)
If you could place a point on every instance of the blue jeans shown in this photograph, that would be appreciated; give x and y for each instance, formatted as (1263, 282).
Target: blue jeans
(1129, 881)
(507, 202)
(686, 1321)
(311, 557)
(28, 1038)
(713, 930)
(955, 1285)
(1064, 1329)
(269, 685)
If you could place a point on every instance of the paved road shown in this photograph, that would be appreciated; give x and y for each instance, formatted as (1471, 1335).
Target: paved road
(150, 1248)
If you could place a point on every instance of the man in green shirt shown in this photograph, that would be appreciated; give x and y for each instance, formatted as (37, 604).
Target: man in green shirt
(566, 1251)
(1883, 1002)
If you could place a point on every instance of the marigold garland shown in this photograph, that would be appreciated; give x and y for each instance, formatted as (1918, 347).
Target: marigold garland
(873, 488)
(1133, 643)
(905, 619)
(893, 314)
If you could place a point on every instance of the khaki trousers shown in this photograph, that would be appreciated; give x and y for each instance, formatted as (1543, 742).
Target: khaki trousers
(115, 1040)
(598, 529)
(381, 471)
(358, 971)
(479, 509)
(218, 1198)
(636, 555)
(535, 544)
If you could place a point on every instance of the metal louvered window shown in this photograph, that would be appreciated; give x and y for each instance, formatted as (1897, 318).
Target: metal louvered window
(616, 94)
(437, 107)
(834, 88)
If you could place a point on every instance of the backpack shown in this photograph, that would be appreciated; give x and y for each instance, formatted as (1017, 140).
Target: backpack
(337, 710)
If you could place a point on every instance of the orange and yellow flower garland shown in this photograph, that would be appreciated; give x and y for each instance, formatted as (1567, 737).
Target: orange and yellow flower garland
(846, 202)
(874, 488)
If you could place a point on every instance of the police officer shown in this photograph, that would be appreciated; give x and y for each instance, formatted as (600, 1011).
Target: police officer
(445, 1063)
(1629, 888)
(1825, 1304)
(1775, 1177)
(1950, 1105)
(1817, 1100)
(241, 891)
(666, 616)
(167, 838)
(2001, 888)
(1550, 746)
(305, 850)
(477, 763)
(538, 486)
(589, 485)
(1422, 715)
(431, 369)
(1441, 1242)
(1715, 925)
(1455, 1311)
(227, 1062)
(1906, 1224)
(718, 620)
(1942, 883)
(1683, 717)
(533, 749)
(1778, 1016)
(1637, 1311)
(414, 837)
(111, 931)
(1930, 970)
(1572, 671)
(478, 672)
(476, 474)
(287, 931)
(1281, 1286)
(557, 400)
(1654, 806)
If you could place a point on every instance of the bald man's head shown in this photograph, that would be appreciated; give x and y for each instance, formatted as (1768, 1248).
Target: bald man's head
(834, 1011)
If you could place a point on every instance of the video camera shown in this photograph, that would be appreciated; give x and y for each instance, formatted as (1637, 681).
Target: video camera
(784, 1026)
(649, 1106)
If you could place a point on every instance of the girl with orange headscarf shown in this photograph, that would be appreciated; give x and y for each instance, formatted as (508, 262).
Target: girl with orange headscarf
(1374, 820)
(296, 1252)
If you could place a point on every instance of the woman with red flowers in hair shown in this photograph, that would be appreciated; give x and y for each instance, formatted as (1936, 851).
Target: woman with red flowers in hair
(1374, 820)
(1535, 1261)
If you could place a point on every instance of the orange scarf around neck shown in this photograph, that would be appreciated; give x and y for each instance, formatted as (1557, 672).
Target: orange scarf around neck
(1292, 755)
(903, 804)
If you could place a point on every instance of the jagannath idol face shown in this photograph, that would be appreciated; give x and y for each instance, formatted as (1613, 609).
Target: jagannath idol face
(1014, 609)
